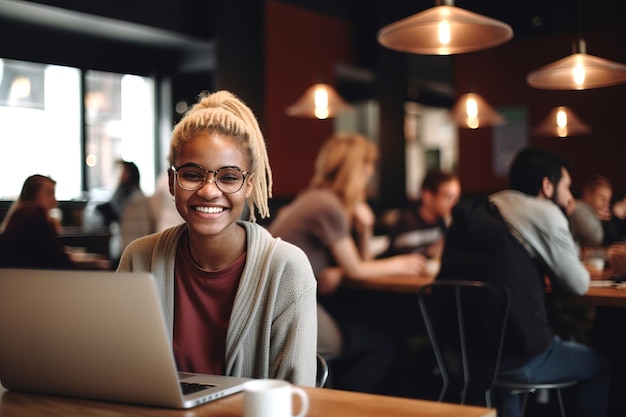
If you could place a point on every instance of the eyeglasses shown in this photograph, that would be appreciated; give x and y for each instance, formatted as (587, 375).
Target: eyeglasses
(228, 180)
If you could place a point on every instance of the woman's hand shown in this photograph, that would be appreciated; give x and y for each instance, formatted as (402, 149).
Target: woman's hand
(410, 264)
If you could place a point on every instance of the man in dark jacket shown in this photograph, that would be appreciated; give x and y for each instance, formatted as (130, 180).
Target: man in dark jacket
(516, 238)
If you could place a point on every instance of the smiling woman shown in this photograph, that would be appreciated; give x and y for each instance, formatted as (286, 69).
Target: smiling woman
(253, 294)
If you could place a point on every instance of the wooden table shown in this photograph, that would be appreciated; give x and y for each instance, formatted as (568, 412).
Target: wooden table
(602, 296)
(397, 283)
(324, 402)
(598, 296)
(90, 261)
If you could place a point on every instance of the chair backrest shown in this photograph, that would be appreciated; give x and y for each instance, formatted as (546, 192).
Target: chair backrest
(466, 322)
(322, 372)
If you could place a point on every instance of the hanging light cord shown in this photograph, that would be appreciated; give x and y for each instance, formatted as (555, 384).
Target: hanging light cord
(580, 20)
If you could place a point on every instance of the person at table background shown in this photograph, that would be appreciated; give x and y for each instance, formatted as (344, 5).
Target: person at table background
(321, 221)
(29, 236)
(533, 211)
(592, 212)
(128, 201)
(420, 227)
(128, 214)
(615, 230)
(236, 300)
(163, 207)
(608, 338)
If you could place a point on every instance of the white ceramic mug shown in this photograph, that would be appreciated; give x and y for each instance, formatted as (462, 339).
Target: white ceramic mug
(272, 398)
(431, 267)
(595, 264)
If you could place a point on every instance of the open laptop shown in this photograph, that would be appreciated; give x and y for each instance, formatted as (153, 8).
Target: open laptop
(97, 335)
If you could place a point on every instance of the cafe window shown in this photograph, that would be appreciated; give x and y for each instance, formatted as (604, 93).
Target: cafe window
(119, 124)
(40, 128)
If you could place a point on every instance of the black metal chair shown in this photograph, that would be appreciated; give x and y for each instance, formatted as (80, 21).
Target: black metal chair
(322, 372)
(466, 323)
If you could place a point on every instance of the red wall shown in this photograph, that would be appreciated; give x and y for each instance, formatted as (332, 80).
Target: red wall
(499, 74)
(302, 47)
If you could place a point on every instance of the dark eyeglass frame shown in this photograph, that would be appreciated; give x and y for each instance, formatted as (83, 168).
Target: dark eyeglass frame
(206, 176)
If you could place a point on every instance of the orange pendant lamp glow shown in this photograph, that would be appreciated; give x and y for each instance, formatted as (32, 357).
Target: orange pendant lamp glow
(319, 101)
(578, 71)
(561, 122)
(472, 111)
(444, 30)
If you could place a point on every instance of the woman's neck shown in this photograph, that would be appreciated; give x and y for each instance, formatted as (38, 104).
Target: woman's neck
(217, 252)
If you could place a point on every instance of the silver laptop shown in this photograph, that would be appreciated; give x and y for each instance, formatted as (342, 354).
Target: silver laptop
(97, 335)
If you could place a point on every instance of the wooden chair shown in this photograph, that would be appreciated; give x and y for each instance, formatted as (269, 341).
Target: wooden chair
(466, 323)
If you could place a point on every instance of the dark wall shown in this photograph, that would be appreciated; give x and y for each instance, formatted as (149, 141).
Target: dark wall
(302, 47)
(499, 74)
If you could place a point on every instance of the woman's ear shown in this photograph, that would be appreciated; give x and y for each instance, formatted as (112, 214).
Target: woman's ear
(249, 185)
(547, 188)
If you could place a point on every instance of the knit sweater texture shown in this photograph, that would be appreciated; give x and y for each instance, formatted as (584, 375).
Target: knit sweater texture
(272, 331)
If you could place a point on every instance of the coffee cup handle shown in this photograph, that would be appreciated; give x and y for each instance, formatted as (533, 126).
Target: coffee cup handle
(304, 407)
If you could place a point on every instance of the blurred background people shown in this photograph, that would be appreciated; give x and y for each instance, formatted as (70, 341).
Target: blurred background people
(163, 207)
(615, 228)
(591, 212)
(321, 221)
(516, 239)
(421, 226)
(29, 235)
(127, 214)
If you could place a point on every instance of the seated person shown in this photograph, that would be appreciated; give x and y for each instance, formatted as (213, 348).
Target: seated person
(29, 236)
(320, 220)
(420, 227)
(515, 239)
(615, 229)
(591, 212)
(127, 200)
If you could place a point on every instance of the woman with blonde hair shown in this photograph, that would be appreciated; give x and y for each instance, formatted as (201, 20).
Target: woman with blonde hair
(237, 301)
(29, 236)
(321, 221)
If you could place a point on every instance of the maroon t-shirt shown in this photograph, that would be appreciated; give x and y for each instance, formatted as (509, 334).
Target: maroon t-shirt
(203, 302)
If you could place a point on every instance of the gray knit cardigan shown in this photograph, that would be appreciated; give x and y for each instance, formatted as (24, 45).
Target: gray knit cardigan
(273, 325)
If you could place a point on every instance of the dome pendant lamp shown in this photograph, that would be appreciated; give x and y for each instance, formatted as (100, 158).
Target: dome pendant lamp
(444, 30)
(578, 71)
(561, 122)
(472, 111)
(319, 101)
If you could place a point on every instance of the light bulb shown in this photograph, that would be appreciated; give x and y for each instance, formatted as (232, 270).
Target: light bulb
(20, 88)
(471, 107)
(561, 118)
(321, 103)
(579, 74)
(444, 32)
(472, 122)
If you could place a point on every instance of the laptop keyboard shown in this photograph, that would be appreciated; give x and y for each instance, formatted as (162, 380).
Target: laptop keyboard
(190, 388)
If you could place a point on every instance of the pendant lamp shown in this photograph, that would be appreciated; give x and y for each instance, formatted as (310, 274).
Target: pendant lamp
(578, 71)
(561, 122)
(472, 111)
(319, 101)
(444, 30)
